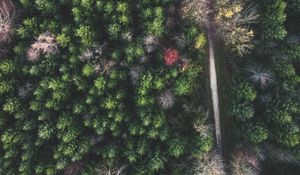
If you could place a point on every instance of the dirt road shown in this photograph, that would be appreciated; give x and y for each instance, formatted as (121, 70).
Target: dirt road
(213, 77)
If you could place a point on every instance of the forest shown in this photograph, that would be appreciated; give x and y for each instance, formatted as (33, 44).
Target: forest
(149, 87)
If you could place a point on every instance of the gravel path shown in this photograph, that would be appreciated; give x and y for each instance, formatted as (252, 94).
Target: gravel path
(214, 90)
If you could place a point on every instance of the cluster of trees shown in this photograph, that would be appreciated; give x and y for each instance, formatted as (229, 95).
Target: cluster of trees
(100, 87)
(233, 19)
(112, 86)
(230, 19)
(265, 94)
(272, 18)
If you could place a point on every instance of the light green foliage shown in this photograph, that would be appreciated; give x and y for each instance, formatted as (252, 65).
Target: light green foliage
(100, 83)
(176, 148)
(63, 40)
(88, 70)
(182, 87)
(11, 106)
(45, 131)
(114, 30)
(5, 87)
(86, 35)
(156, 26)
(6, 67)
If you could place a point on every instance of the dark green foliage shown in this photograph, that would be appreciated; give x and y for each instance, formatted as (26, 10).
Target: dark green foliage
(271, 110)
(294, 6)
(269, 114)
(242, 97)
(255, 133)
(272, 18)
(288, 135)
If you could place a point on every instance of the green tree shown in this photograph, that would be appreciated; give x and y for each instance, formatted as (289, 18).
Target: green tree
(272, 19)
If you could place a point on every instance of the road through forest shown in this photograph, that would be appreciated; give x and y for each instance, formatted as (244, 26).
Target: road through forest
(213, 76)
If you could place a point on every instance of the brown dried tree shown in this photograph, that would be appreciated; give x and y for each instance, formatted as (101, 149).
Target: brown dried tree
(209, 164)
(106, 170)
(245, 163)
(197, 10)
(45, 44)
(7, 15)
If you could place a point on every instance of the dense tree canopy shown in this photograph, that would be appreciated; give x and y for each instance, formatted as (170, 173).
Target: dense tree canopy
(116, 87)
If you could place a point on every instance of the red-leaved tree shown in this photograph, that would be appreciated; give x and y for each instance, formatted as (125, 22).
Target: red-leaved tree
(171, 56)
